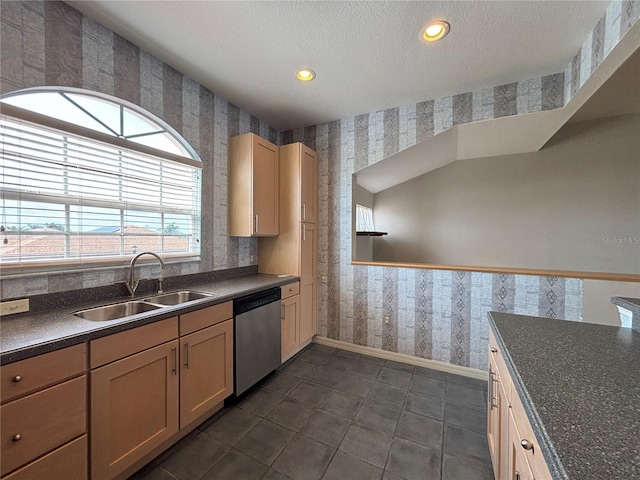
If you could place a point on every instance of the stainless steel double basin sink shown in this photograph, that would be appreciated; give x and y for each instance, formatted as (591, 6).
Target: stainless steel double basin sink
(118, 311)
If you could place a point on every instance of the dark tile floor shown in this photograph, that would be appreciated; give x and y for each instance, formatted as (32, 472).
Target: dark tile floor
(332, 414)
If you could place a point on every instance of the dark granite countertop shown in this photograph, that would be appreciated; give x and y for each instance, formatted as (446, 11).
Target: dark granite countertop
(28, 335)
(632, 304)
(580, 386)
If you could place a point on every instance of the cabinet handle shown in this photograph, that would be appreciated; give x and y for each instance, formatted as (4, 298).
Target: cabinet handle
(494, 350)
(526, 444)
(493, 379)
(304, 232)
(304, 211)
(491, 405)
(17, 378)
(186, 354)
(174, 351)
(282, 312)
(516, 476)
(17, 437)
(257, 224)
(490, 388)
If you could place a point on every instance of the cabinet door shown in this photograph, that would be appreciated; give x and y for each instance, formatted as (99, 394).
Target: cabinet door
(493, 418)
(266, 196)
(497, 422)
(503, 434)
(519, 465)
(308, 266)
(309, 185)
(134, 408)
(290, 323)
(206, 370)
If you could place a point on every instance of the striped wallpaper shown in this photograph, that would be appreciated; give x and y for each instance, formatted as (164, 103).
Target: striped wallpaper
(51, 43)
(439, 315)
(433, 314)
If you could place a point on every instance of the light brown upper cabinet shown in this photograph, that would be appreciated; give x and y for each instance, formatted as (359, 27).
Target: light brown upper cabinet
(253, 187)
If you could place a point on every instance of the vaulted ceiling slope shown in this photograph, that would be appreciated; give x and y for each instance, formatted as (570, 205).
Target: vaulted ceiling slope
(612, 90)
(368, 55)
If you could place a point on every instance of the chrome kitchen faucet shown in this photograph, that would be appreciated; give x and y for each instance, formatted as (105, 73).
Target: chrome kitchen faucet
(132, 283)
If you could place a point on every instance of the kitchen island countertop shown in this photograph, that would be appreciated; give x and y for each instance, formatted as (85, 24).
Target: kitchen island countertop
(580, 386)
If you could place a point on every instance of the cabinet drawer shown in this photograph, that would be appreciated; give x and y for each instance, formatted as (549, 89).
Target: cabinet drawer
(290, 290)
(525, 431)
(205, 317)
(68, 462)
(28, 375)
(36, 424)
(119, 345)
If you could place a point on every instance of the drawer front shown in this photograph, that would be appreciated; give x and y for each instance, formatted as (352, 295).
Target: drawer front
(290, 290)
(41, 422)
(524, 429)
(502, 372)
(119, 345)
(68, 462)
(205, 317)
(26, 376)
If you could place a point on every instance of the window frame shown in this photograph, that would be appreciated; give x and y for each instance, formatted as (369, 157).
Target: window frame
(90, 262)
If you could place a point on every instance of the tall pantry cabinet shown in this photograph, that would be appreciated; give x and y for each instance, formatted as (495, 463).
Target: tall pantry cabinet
(295, 250)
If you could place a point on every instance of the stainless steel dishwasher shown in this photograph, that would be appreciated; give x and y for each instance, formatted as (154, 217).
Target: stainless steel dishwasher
(257, 337)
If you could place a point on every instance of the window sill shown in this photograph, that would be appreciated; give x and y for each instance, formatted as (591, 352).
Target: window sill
(65, 266)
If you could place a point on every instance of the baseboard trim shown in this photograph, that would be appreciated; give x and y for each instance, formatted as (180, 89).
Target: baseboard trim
(401, 357)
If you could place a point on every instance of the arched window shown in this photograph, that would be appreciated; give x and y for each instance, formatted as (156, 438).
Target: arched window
(87, 178)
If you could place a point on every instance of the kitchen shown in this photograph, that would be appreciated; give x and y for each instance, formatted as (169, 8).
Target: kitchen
(93, 57)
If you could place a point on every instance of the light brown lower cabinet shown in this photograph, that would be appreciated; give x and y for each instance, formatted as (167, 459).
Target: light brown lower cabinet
(494, 417)
(308, 307)
(297, 317)
(514, 449)
(134, 408)
(43, 417)
(206, 370)
(308, 282)
(153, 384)
(518, 465)
(290, 326)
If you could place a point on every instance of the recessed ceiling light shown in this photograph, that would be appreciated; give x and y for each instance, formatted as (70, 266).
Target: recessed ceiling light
(305, 74)
(435, 31)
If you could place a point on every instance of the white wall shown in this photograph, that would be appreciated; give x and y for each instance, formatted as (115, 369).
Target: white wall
(574, 205)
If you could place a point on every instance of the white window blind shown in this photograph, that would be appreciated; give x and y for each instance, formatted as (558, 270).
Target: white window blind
(70, 199)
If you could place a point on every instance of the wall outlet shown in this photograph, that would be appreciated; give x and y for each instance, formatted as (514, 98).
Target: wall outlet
(323, 279)
(252, 258)
(387, 320)
(14, 306)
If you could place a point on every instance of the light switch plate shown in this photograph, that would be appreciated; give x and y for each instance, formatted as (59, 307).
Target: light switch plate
(14, 306)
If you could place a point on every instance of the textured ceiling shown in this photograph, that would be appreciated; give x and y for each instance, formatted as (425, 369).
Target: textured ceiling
(367, 55)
